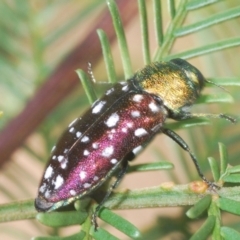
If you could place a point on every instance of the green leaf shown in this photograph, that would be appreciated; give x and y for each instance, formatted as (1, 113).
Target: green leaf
(209, 48)
(214, 168)
(223, 158)
(144, 31)
(235, 169)
(158, 21)
(229, 205)
(188, 123)
(172, 8)
(101, 234)
(205, 230)
(228, 81)
(121, 38)
(120, 223)
(213, 19)
(107, 55)
(233, 178)
(77, 236)
(215, 211)
(87, 85)
(199, 207)
(59, 219)
(215, 98)
(151, 166)
(195, 4)
(229, 233)
(165, 49)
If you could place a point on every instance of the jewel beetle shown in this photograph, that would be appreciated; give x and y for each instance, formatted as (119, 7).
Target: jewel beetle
(116, 128)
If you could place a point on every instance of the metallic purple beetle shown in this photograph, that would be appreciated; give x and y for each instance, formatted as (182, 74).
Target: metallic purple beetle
(116, 128)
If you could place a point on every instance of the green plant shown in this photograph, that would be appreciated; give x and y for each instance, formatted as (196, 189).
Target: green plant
(42, 68)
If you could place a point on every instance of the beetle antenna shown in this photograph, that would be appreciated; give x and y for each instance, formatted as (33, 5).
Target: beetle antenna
(217, 85)
(90, 72)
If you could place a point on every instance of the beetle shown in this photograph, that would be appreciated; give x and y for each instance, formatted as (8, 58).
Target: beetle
(116, 128)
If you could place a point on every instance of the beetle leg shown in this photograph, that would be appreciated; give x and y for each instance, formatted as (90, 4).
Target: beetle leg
(120, 176)
(176, 138)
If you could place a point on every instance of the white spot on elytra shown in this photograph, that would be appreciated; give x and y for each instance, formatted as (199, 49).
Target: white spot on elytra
(124, 129)
(71, 129)
(153, 107)
(112, 120)
(48, 173)
(60, 158)
(73, 192)
(108, 151)
(125, 88)
(63, 165)
(59, 181)
(63, 161)
(43, 188)
(137, 149)
(82, 175)
(110, 136)
(137, 98)
(109, 91)
(135, 114)
(85, 139)
(65, 150)
(86, 185)
(78, 134)
(97, 109)
(86, 152)
(130, 124)
(47, 194)
(140, 132)
(113, 161)
(72, 122)
(54, 157)
(95, 145)
(95, 178)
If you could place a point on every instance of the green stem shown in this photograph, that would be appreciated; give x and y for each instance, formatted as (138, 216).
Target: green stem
(17, 211)
(158, 196)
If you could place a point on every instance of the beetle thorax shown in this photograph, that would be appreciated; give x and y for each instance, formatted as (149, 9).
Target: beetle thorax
(173, 87)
